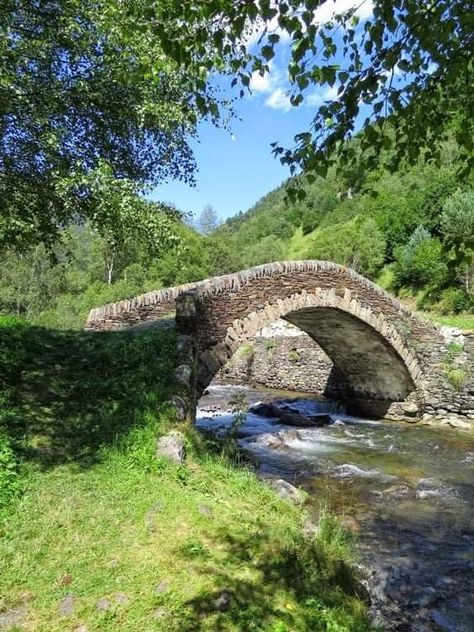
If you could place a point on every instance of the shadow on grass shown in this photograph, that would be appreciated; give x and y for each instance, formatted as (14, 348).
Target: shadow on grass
(65, 394)
(323, 588)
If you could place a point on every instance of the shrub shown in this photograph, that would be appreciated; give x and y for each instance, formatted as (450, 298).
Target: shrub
(357, 244)
(453, 301)
(309, 222)
(457, 378)
(456, 375)
(421, 262)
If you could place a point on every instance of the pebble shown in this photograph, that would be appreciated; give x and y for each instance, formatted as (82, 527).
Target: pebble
(162, 587)
(12, 617)
(151, 515)
(205, 510)
(103, 604)
(66, 605)
(121, 598)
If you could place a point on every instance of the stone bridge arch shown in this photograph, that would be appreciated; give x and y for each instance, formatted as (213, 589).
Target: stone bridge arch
(367, 350)
(384, 352)
(366, 333)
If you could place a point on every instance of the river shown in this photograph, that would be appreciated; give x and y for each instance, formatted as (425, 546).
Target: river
(405, 490)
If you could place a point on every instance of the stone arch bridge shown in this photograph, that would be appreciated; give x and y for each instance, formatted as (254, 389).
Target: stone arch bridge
(383, 355)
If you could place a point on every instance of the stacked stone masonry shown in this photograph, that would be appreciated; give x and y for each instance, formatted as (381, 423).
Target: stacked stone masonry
(382, 354)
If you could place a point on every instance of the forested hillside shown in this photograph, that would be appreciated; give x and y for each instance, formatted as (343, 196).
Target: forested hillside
(411, 231)
(58, 288)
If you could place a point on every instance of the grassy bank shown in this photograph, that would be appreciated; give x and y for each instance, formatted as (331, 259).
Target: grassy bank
(98, 534)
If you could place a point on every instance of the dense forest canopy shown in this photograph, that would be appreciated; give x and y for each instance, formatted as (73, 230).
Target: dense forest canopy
(98, 100)
(413, 231)
(415, 236)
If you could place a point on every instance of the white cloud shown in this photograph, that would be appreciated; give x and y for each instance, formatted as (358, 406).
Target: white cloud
(265, 83)
(270, 26)
(279, 100)
(324, 13)
(315, 99)
(330, 8)
(274, 85)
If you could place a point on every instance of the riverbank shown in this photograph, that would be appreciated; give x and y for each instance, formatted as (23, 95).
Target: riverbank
(405, 490)
(97, 533)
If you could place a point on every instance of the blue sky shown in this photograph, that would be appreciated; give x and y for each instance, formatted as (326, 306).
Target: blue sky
(236, 170)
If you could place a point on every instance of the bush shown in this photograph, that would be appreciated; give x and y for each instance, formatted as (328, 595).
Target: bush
(421, 262)
(309, 222)
(356, 244)
(453, 301)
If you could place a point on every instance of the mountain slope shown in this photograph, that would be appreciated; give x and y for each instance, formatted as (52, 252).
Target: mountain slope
(406, 220)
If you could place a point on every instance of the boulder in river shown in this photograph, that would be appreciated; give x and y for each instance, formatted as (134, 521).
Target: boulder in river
(275, 440)
(289, 416)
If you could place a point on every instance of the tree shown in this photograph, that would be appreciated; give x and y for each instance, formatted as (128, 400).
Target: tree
(208, 220)
(266, 250)
(457, 226)
(90, 105)
(421, 263)
(358, 244)
(29, 282)
(403, 74)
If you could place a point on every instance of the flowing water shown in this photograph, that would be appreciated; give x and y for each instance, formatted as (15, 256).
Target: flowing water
(406, 490)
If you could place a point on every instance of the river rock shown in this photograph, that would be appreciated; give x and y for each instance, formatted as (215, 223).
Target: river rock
(289, 416)
(428, 597)
(462, 424)
(275, 440)
(399, 491)
(410, 409)
(264, 409)
(171, 446)
(441, 622)
(287, 491)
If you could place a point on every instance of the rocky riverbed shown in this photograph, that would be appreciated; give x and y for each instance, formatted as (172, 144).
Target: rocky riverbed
(406, 491)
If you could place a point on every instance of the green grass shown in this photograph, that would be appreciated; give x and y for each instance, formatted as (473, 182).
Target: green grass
(98, 517)
(410, 298)
(386, 278)
(461, 321)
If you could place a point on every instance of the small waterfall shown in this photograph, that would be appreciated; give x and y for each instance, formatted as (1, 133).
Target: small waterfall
(314, 407)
